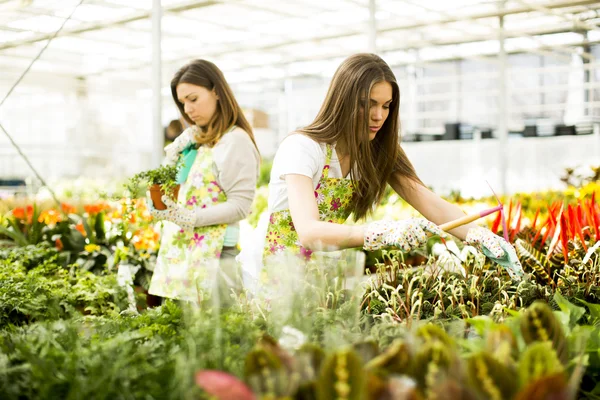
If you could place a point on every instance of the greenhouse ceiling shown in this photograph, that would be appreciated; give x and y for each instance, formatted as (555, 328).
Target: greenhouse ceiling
(254, 40)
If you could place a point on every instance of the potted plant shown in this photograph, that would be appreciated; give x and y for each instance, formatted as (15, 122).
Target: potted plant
(160, 181)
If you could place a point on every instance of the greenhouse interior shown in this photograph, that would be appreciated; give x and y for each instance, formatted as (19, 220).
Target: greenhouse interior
(300, 199)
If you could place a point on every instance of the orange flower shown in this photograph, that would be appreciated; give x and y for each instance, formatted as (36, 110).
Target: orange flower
(59, 245)
(68, 209)
(146, 239)
(19, 213)
(92, 209)
(22, 214)
(80, 228)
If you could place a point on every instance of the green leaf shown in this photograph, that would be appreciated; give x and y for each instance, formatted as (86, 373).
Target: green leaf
(99, 226)
(88, 231)
(481, 324)
(15, 235)
(73, 240)
(594, 318)
(574, 312)
(35, 233)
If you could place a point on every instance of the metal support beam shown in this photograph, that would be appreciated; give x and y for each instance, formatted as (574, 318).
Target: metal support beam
(472, 17)
(466, 34)
(587, 75)
(576, 23)
(372, 28)
(397, 46)
(86, 27)
(157, 129)
(502, 106)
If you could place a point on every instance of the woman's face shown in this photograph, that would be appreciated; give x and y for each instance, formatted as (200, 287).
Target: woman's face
(199, 103)
(380, 99)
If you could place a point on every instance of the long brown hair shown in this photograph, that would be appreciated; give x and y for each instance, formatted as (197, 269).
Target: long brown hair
(228, 113)
(344, 116)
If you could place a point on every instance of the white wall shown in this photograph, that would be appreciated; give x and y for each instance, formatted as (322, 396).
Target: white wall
(533, 163)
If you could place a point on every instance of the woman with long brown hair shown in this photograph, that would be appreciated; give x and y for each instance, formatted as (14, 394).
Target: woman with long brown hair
(342, 163)
(218, 174)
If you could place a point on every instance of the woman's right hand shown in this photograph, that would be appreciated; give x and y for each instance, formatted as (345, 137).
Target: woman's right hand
(405, 234)
(174, 149)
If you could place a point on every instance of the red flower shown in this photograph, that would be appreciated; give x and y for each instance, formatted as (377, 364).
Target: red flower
(335, 204)
(305, 253)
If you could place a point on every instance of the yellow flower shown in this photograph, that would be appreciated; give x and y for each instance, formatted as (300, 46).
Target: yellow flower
(90, 248)
(285, 230)
(202, 192)
(50, 217)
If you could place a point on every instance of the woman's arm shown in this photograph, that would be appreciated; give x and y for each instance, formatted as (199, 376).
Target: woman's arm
(429, 204)
(237, 162)
(313, 233)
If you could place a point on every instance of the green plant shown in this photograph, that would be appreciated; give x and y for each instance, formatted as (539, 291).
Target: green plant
(41, 286)
(264, 175)
(165, 176)
(23, 226)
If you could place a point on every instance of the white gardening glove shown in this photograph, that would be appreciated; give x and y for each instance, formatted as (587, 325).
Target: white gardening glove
(175, 213)
(497, 249)
(181, 142)
(481, 237)
(406, 234)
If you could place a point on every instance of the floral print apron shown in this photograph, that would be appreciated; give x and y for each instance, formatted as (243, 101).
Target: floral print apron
(334, 197)
(188, 260)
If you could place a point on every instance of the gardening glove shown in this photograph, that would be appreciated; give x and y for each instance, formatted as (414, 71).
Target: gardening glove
(406, 234)
(175, 213)
(496, 249)
(179, 144)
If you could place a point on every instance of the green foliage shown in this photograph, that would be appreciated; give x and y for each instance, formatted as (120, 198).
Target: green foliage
(165, 176)
(26, 231)
(65, 332)
(264, 175)
(539, 324)
(80, 362)
(39, 287)
(259, 205)
(540, 359)
(342, 377)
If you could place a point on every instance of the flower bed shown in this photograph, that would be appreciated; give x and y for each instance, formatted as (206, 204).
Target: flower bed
(454, 327)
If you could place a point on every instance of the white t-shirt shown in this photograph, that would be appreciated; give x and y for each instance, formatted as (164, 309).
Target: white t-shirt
(301, 155)
(297, 154)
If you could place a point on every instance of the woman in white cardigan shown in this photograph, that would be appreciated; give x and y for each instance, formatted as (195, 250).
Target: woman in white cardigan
(218, 182)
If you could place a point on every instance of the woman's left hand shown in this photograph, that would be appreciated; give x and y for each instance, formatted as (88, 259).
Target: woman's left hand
(175, 213)
(498, 249)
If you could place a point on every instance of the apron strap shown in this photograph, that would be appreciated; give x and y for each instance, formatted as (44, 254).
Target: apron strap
(328, 155)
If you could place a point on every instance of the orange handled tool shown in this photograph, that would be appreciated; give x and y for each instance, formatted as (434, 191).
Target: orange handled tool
(448, 226)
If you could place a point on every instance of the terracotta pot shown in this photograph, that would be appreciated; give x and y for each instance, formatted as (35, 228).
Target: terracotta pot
(151, 300)
(156, 194)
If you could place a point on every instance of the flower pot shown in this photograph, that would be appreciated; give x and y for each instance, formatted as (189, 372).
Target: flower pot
(146, 300)
(156, 194)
